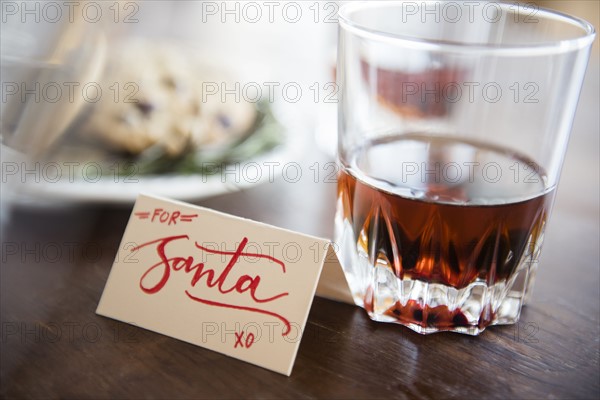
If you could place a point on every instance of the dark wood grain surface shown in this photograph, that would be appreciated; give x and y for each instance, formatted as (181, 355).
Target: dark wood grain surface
(55, 262)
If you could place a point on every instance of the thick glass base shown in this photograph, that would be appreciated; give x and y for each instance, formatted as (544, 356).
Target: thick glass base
(427, 307)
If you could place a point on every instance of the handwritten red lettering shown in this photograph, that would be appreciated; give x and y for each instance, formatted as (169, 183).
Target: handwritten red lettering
(249, 339)
(238, 339)
(165, 217)
(156, 213)
(286, 323)
(188, 217)
(244, 283)
(174, 217)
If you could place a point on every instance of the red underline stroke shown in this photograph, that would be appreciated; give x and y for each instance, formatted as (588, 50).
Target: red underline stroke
(251, 309)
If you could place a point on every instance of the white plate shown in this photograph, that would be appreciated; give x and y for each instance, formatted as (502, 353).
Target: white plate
(122, 190)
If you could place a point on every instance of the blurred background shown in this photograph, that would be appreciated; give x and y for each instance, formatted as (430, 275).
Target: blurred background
(102, 100)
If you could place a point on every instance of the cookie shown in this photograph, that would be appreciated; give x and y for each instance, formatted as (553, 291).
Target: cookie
(155, 99)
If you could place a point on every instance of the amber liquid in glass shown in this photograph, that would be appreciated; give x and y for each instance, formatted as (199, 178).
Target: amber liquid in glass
(436, 232)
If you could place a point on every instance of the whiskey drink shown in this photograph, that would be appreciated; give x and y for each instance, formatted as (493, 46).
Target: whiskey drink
(439, 233)
(451, 137)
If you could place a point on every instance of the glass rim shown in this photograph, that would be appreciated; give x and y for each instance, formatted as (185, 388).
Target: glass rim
(557, 46)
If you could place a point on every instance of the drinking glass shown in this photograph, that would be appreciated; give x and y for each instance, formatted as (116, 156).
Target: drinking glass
(453, 125)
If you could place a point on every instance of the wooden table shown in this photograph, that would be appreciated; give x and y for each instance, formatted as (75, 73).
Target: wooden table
(54, 345)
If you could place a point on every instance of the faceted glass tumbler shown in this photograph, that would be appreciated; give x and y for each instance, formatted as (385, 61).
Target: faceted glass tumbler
(454, 120)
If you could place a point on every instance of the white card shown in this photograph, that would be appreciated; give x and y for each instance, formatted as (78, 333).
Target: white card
(228, 284)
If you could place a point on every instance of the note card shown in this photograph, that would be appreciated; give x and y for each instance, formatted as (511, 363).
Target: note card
(225, 283)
